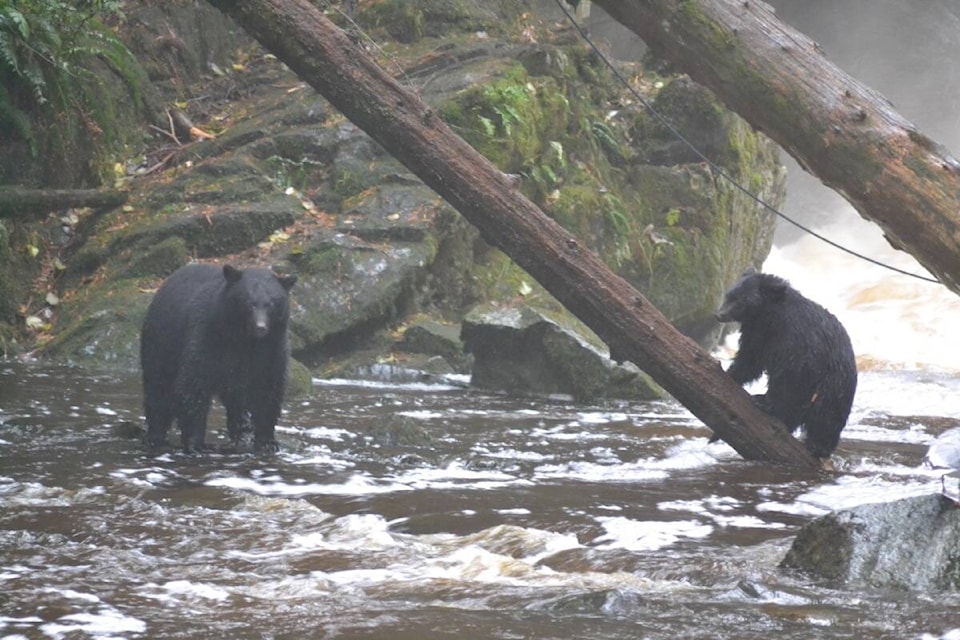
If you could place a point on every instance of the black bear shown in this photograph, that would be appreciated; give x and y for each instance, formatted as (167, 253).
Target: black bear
(803, 349)
(212, 331)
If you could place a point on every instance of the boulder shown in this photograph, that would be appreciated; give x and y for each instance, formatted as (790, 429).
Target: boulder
(911, 544)
(433, 338)
(519, 350)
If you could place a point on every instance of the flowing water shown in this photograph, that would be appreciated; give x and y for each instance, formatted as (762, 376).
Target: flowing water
(431, 512)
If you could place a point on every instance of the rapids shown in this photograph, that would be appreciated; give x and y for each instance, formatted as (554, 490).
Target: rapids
(482, 517)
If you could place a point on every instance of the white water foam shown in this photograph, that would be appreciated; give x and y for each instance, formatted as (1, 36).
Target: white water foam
(104, 623)
(453, 476)
(636, 535)
(894, 321)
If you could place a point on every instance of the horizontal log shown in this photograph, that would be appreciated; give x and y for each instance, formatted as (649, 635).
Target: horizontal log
(19, 202)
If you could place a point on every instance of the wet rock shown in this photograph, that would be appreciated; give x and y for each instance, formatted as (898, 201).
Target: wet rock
(433, 338)
(299, 380)
(608, 602)
(128, 430)
(944, 451)
(161, 259)
(399, 431)
(911, 544)
(519, 350)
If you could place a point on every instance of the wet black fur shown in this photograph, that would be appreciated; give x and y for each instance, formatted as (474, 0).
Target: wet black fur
(212, 331)
(803, 349)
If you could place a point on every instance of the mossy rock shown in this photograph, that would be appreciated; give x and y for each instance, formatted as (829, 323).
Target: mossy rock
(907, 544)
(654, 213)
(161, 259)
(103, 328)
(299, 381)
(432, 338)
(407, 21)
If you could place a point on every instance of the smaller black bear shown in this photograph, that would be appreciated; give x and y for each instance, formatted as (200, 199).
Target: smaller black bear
(805, 352)
(212, 331)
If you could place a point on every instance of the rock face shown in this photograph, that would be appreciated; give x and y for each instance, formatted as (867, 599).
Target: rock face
(288, 183)
(912, 544)
(520, 350)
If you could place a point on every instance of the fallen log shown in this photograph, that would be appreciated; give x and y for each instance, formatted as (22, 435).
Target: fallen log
(321, 54)
(19, 202)
(838, 129)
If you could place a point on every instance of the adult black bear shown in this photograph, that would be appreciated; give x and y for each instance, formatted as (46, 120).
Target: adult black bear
(805, 352)
(212, 331)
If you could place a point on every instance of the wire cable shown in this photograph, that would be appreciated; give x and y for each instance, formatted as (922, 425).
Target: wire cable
(713, 166)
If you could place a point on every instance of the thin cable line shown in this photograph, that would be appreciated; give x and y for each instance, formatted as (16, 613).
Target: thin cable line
(663, 120)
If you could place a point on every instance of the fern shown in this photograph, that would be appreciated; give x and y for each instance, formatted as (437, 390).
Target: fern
(42, 45)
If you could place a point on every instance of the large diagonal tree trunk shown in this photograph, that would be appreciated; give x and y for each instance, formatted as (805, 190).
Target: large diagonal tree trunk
(320, 53)
(841, 131)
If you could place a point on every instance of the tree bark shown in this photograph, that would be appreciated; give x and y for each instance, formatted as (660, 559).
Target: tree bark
(838, 129)
(27, 203)
(321, 54)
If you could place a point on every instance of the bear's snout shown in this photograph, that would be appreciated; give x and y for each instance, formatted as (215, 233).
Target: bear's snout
(723, 314)
(261, 323)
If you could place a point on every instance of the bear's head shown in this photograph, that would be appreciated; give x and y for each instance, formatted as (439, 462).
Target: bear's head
(752, 294)
(258, 300)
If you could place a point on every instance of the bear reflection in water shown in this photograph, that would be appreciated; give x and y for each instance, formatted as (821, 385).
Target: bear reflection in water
(212, 331)
(805, 352)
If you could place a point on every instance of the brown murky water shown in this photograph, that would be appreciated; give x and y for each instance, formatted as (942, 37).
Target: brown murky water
(424, 512)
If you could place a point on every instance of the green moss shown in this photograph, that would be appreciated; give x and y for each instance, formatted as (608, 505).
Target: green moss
(709, 29)
(299, 381)
(323, 259)
(408, 21)
(656, 225)
(160, 260)
(518, 122)
(347, 183)
(72, 95)
(403, 20)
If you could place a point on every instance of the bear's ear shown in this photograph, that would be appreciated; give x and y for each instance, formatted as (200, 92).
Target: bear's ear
(286, 282)
(231, 273)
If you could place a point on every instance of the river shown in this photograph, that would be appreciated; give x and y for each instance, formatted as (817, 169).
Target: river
(437, 512)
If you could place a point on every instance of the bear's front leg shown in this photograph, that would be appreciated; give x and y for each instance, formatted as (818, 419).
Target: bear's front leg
(193, 431)
(264, 422)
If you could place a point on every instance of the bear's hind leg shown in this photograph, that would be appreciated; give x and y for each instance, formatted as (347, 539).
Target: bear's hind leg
(193, 429)
(193, 405)
(238, 419)
(823, 426)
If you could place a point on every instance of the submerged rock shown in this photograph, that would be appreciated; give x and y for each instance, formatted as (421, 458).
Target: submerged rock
(911, 544)
(944, 451)
(517, 349)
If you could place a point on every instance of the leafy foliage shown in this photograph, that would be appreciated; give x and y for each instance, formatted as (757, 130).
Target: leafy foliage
(41, 44)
